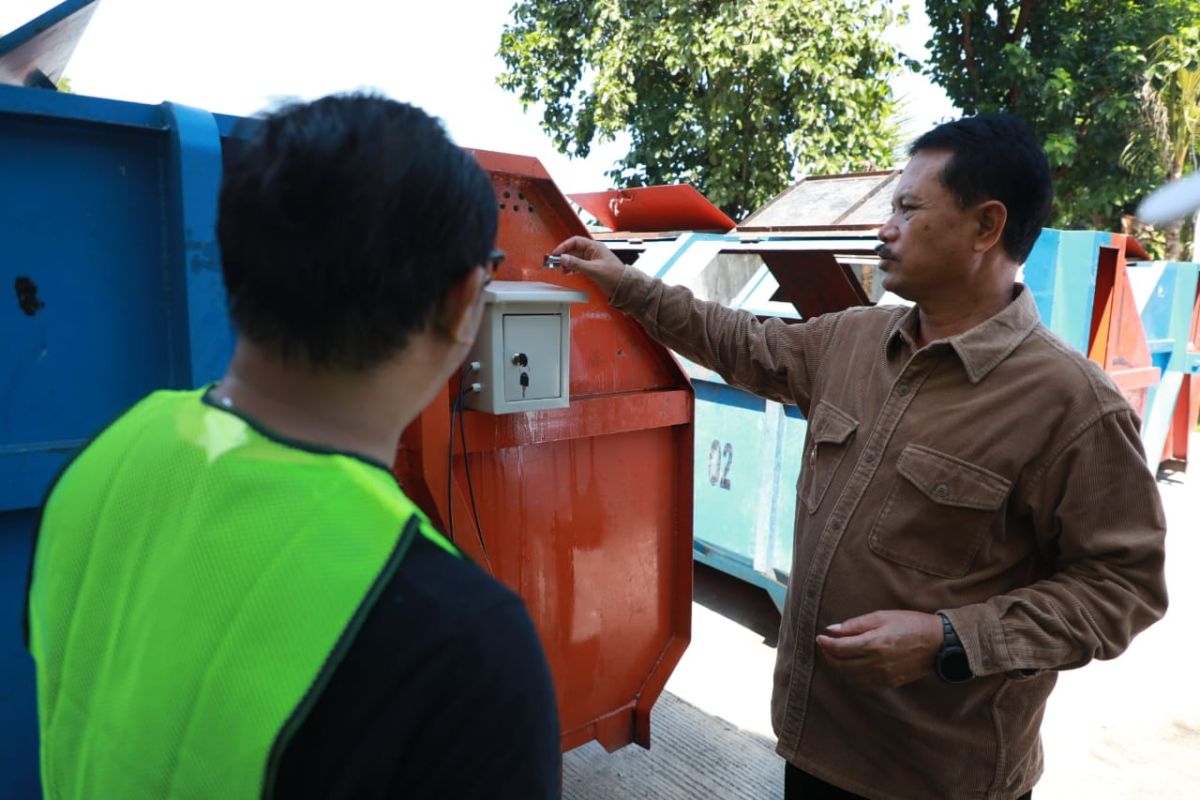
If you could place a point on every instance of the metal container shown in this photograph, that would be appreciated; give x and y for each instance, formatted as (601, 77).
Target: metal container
(1080, 281)
(115, 290)
(1168, 301)
(585, 511)
(749, 450)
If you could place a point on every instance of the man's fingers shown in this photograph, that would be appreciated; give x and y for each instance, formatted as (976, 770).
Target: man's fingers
(575, 243)
(855, 625)
(574, 263)
(844, 647)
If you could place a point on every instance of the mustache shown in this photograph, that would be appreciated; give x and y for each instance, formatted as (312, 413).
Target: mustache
(883, 251)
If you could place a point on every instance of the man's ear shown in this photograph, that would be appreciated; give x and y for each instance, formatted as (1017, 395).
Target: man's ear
(458, 315)
(991, 217)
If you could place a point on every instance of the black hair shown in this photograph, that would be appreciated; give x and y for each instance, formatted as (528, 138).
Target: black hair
(995, 157)
(343, 223)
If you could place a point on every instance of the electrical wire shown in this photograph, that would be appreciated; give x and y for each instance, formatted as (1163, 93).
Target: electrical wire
(462, 429)
(457, 410)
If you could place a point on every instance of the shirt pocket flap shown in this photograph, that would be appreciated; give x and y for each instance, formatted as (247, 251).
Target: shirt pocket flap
(830, 425)
(950, 481)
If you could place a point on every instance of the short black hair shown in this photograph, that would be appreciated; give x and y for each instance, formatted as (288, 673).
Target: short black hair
(995, 157)
(343, 223)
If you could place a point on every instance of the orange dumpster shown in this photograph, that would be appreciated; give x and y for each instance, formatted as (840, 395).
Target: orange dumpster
(584, 511)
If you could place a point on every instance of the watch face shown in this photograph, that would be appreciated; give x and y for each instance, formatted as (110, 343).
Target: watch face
(953, 666)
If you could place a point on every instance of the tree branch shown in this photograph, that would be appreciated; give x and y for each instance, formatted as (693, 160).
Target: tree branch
(1022, 20)
(969, 52)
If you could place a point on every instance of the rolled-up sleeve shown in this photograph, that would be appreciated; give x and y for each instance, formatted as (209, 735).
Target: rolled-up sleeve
(1097, 513)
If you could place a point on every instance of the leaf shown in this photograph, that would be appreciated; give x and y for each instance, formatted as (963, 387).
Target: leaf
(728, 96)
(1077, 76)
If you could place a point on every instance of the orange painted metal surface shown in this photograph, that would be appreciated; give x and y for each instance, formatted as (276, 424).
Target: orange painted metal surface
(1187, 407)
(1118, 337)
(814, 281)
(584, 511)
(677, 207)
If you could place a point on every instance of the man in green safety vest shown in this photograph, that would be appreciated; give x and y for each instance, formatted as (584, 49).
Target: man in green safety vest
(230, 596)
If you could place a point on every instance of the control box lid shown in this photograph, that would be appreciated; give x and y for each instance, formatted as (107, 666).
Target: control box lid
(531, 292)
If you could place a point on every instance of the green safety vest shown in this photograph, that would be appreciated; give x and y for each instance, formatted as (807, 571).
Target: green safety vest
(195, 585)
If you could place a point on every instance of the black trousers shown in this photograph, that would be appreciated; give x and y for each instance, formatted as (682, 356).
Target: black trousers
(799, 785)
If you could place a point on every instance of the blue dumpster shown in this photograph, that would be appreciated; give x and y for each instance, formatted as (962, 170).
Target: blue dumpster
(749, 450)
(1165, 292)
(107, 228)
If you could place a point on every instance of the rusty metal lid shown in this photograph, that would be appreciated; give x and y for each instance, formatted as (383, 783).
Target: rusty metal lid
(857, 201)
(677, 207)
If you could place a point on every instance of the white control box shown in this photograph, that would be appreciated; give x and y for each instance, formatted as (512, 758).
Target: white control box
(523, 348)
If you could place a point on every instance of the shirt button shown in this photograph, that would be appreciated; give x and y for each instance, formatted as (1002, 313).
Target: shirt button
(870, 457)
(835, 526)
(942, 491)
(902, 390)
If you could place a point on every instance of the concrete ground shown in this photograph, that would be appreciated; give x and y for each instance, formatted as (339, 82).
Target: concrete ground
(1128, 728)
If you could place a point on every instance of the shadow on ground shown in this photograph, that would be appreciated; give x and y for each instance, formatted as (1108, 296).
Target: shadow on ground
(738, 601)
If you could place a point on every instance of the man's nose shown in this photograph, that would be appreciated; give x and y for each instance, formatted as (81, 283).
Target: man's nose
(888, 231)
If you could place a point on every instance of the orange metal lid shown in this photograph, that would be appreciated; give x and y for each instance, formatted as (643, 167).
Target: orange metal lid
(677, 207)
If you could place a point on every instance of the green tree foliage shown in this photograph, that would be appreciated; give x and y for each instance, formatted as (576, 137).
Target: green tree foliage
(1074, 70)
(1170, 136)
(733, 96)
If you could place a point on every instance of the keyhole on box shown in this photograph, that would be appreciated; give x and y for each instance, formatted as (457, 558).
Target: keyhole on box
(522, 360)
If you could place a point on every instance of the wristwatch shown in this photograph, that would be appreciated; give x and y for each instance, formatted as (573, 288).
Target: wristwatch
(951, 664)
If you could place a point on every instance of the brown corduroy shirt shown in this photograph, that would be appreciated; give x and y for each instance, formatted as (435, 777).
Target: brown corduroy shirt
(997, 476)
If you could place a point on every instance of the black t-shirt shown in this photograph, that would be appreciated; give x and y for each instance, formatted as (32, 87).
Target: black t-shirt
(444, 693)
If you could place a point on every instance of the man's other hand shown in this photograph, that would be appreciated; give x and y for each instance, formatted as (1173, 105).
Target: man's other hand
(581, 254)
(883, 648)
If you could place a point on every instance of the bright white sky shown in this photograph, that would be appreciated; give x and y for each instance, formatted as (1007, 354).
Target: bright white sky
(236, 56)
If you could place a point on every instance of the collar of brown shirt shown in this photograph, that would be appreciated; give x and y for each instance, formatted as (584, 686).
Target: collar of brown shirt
(983, 347)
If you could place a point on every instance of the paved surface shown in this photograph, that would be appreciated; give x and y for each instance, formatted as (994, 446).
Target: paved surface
(1128, 728)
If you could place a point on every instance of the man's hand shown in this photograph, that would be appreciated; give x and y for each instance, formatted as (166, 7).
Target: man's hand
(884, 648)
(581, 254)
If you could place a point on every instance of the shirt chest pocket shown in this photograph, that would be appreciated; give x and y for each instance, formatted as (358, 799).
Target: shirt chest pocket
(829, 434)
(938, 512)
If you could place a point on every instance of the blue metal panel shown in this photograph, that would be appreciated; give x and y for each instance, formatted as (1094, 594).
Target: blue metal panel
(108, 237)
(1186, 288)
(1040, 271)
(1061, 273)
(682, 246)
(790, 460)
(739, 566)
(729, 466)
(1165, 292)
(15, 100)
(18, 709)
(87, 230)
(112, 243)
(746, 529)
(206, 342)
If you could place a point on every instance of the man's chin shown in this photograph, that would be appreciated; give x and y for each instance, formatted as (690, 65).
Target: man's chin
(892, 284)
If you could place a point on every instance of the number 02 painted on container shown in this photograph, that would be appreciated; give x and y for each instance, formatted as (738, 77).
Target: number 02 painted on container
(716, 456)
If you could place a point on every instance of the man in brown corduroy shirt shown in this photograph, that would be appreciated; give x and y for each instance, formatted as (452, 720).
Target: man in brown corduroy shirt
(975, 512)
